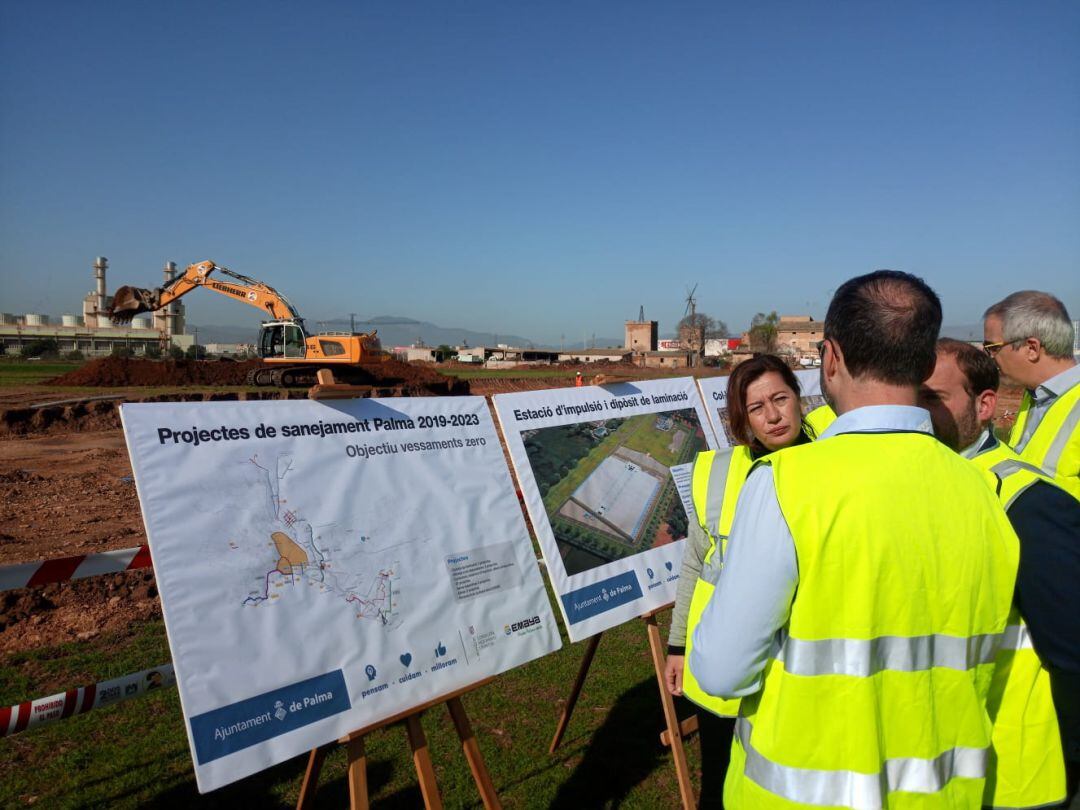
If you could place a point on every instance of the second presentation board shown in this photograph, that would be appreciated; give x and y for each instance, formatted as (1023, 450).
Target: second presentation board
(598, 468)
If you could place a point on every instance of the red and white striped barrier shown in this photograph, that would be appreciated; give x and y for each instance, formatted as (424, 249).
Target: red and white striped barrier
(31, 713)
(80, 566)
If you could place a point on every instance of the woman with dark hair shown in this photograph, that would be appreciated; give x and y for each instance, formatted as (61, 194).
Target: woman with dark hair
(764, 415)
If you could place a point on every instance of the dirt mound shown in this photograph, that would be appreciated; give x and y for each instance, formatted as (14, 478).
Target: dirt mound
(75, 611)
(119, 371)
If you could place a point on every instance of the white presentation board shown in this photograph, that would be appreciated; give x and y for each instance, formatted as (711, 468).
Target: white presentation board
(598, 467)
(714, 392)
(326, 565)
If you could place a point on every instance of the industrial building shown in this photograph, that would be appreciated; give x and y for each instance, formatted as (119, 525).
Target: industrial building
(92, 333)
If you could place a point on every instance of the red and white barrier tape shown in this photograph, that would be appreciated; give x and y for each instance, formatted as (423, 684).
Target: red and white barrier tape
(80, 566)
(31, 713)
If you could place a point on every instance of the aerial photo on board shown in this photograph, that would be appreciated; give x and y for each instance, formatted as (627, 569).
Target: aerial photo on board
(607, 485)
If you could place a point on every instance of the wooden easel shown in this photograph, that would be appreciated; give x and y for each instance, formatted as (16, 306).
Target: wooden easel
(429, 789)
(673, 734)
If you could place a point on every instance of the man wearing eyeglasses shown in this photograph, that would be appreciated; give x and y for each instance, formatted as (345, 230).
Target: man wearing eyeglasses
(1040, 654)
(1030, 336)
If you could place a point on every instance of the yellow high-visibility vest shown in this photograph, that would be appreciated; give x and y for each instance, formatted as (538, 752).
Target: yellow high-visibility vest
(1055, 446)
(717, 479)
(818, 420)
(1028, 766)
(875, 695)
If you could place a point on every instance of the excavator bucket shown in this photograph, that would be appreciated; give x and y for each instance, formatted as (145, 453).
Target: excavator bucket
(131, 301)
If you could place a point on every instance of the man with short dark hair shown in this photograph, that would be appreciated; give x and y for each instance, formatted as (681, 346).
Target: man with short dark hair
(1028, 769)
(1030, 336)
(865, 589)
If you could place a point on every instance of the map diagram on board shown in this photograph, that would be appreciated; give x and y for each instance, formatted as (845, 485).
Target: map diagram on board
(299, 554)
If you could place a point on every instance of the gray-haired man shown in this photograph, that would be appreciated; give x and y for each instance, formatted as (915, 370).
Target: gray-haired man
(1030, 336)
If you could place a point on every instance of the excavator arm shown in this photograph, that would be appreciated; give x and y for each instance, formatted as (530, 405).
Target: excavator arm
(131, 301)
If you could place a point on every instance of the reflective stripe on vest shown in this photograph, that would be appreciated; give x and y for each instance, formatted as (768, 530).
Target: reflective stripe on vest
(878, 685)
(862, 658)
(1055, 444)
(854, 789)
(1028, 767)
(1017, 637)
(715, 486)
(716, 490)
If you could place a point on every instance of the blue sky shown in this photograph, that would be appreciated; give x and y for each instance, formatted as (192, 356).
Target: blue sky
(541, 169)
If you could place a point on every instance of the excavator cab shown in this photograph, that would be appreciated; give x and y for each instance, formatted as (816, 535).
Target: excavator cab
(283, 340)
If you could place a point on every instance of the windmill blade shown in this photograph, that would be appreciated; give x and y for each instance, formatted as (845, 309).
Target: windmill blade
(690, 301)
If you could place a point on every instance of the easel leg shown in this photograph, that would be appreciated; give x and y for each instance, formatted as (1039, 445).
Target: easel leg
(306, 799)
(682, 770)
(357, 774)
(429, 788)
(575, 691)
(472, 753)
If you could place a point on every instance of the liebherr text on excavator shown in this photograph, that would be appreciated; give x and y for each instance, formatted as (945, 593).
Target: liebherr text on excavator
(291, 355)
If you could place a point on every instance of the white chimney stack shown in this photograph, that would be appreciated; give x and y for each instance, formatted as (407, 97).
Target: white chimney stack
(101, 264)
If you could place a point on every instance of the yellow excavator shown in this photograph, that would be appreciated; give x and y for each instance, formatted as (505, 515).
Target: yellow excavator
(291, 356)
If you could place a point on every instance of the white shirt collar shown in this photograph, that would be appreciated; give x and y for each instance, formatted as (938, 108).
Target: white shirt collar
(1058, 384)
(882, 419)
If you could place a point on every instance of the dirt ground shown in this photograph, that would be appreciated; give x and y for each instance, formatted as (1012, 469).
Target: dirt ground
(66, 488)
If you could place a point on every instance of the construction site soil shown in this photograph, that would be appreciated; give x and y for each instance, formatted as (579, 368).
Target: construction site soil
(66, 488)
(120, 371)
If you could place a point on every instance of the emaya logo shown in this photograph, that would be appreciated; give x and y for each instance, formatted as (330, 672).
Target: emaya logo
(523, 626)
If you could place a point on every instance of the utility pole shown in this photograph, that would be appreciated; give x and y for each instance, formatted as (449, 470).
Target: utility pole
(196, 344)
(352, 322)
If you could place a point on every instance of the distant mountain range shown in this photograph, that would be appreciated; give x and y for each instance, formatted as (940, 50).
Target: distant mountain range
(393, 331)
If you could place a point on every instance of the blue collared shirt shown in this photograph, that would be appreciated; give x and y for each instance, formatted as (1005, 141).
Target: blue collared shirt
(752, 601)
(1042, 398)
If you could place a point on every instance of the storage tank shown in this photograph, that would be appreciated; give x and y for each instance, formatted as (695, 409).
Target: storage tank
(36, 319)
(8, 319)
(69, 320)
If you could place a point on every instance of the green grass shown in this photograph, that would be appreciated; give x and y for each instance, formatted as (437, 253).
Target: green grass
(655, 443)
(559, 492)
(30, 372)
(136, 753)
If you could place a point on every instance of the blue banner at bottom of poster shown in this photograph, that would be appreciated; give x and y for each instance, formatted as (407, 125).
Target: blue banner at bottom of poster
(601, 596)
(232, 728)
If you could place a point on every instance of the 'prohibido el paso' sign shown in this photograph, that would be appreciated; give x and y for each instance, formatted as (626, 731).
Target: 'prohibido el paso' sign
(605, 475)
(324, 566)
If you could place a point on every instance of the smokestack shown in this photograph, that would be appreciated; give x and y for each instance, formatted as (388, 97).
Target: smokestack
(101, 264)
(170, 309)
